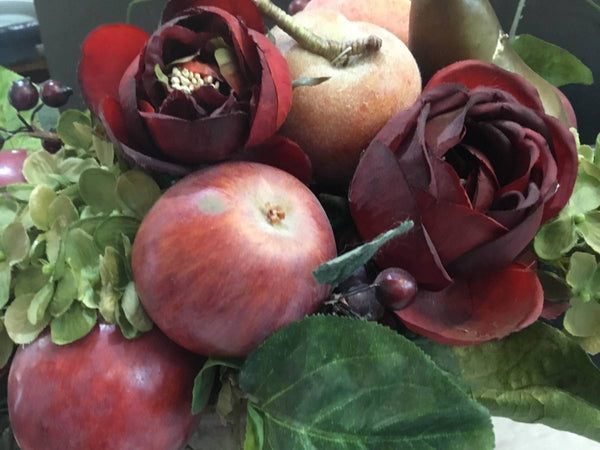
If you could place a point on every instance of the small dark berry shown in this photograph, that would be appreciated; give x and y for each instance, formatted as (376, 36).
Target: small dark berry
(23, 95)
(297, 6)
(395, 288)
(55, 94)
(359, 277)
(362, 300)
(51, 145)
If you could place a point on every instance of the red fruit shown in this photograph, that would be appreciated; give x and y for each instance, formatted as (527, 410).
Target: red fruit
(297, 6)
(11, 164)
(102, 392)
(395, 288)
(225, 257)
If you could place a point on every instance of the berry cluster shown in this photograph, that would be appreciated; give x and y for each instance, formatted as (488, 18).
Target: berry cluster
(23, 95)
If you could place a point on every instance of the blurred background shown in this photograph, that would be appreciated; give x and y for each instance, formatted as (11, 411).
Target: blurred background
(43, 37)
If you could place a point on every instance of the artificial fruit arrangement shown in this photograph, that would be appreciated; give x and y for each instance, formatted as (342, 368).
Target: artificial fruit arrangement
(174, 250)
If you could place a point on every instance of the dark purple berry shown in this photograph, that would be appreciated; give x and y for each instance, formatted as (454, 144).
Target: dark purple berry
(395, 288)
(297, 6)
(359, 277)
(55, 94)
(51, 145)
(362, 300)
(23, 95)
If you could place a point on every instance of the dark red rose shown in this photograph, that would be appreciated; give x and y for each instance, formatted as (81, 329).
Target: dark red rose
(478, 166)
(207, 86)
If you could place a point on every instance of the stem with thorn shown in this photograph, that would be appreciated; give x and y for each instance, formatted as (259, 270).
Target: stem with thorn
(337, 52)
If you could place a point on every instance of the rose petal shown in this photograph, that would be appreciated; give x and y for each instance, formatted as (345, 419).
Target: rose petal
(106, 53)
(501, 252)
(111, 116)
(244, 10)
(380, 198)
(446, 224)
(452, 190)
(205, 140)
(275, 98)
(474, 73)
(183, 106)
(566, 160)
(477, 310)
(282, 153)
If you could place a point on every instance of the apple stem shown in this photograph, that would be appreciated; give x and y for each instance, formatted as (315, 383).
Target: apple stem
(275, 214)
(337, 52)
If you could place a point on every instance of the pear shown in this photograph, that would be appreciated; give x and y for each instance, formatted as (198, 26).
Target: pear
(446, 31)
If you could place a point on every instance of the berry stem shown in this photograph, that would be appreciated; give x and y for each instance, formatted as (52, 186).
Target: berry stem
(337, 52)
(24, 122)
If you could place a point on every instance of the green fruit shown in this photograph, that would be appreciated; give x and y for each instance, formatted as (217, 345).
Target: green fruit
(442, 33)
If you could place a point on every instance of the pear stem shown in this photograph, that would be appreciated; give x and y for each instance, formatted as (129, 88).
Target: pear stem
(337, 52)
(518, 16)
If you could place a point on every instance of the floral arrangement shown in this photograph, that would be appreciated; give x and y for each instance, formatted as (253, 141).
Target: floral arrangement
(334, 234)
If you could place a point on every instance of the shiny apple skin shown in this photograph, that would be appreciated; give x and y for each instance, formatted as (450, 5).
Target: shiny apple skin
(214, 274)
(102, 392)
(11, 164)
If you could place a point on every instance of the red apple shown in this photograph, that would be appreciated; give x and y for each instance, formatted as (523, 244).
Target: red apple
(102, 392)
(11, 164)
(225, 257)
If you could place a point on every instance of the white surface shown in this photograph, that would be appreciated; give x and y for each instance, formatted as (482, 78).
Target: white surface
(512, 435)
(16, 11)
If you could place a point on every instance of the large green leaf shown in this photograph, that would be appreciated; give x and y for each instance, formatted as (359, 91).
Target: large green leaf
(555, 238)
(537, 375)
(556, 65)
(329, 382)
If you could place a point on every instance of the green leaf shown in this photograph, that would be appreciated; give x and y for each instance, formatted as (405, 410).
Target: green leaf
(62, 206)
(75, 129)
(255, 430)
(133, 310)
(15, 243)
(81, 251)
(555, 288)
(110, 231)
(555, 238)
(113, 277)
(97, 188)
(39, 304)
(72, 168)
(128, 330)
(39, 204)
(5, 278)
(308, 81)
(348, 384)
(203, 383)
(339, 269)
(74, 324)
(20, 191)
(38, 167)
(589, 230)
(65, 294)
(137, 191)
(29, 281)
(20, 330)
(585, 197)
(160, 75)
(581, 269)
(6, 346)
(583, 318)
(9, 210)
(537, 375)
(556, 65)
(105, 152)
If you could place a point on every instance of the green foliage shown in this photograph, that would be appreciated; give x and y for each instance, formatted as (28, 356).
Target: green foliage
(339, 269)
(348, 384)
(555, 64)
(203, 384)
(65, 239)
(536, 375)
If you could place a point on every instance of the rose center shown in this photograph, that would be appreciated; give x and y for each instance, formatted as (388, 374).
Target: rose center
(187, 81)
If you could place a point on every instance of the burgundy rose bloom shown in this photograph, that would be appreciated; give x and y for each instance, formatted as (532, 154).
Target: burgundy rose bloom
(478, 166)
(207, 86)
